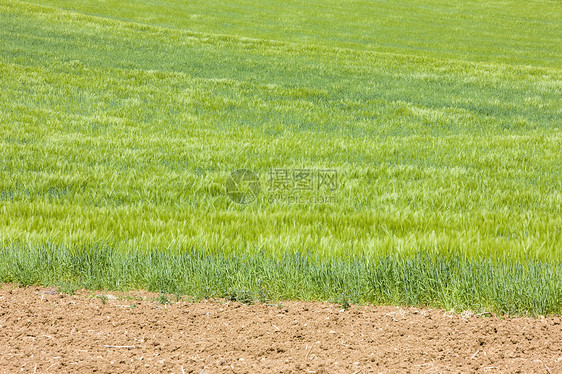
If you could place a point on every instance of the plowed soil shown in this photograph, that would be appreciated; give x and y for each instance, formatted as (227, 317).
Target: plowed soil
(44, 331)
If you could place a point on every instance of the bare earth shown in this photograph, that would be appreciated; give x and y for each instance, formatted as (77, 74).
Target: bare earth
(42, 330)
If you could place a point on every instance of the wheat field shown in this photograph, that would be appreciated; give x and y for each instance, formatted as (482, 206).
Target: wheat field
(121, 123)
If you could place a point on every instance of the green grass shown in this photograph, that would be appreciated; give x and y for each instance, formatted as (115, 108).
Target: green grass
(121, 121)
(453, 282)
(513, 31)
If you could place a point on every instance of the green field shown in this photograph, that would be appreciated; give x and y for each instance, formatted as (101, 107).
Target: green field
(121, 121)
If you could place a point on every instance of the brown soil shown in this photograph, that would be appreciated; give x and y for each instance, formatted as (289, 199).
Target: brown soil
(42, 330)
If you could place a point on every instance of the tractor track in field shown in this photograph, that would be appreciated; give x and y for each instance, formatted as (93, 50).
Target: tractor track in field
(45, 331)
